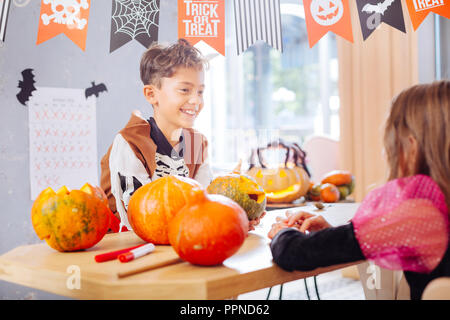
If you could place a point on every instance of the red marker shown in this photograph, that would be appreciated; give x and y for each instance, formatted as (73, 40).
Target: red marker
(136, 253)
(114, 254)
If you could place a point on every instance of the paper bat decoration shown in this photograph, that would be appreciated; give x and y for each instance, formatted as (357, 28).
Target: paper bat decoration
(26, 86)
(95, 89)
(380, 7)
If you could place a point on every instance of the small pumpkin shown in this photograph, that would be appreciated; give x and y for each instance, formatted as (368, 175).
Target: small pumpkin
(279, 181)
(342, 179)
(154, 205)
(243, 190)
(209, 229)
(329, 193)
(72, 220)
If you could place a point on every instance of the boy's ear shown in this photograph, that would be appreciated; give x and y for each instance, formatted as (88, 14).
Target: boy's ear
(150, 92)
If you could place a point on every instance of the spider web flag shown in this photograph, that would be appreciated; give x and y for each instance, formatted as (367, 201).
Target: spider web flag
(134, 19)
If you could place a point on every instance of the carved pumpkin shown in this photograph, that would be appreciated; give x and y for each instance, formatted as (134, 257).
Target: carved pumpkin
(243, 190)
(327, 12)
(209, 229)
(72, 220)
(286, 182)
(155, 204)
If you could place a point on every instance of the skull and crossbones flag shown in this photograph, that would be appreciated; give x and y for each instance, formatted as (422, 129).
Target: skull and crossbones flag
(419, 10)
(4, 8)
(64, 16)
(134, 19)
(373, 12)
(257, 20)
(323, 16)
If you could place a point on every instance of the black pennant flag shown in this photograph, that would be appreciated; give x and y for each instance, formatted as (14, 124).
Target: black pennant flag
(373, 12)
(136, 19)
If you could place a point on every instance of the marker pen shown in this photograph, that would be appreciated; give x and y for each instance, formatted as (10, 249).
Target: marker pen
(136, 253)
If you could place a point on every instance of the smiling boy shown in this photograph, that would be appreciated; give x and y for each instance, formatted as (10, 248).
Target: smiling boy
(165, 144)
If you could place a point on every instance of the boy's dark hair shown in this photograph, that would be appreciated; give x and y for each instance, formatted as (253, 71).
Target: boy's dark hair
(160, 61)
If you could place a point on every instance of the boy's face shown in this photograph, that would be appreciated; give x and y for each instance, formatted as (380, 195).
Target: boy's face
(180, 98)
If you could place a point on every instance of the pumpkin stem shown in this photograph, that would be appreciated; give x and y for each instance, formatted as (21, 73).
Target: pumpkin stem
(237, 169)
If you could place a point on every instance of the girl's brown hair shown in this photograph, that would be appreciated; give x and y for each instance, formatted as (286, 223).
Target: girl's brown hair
(422, 111)
(160, 61)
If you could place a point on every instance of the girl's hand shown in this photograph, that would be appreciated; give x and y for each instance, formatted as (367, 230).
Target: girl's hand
(255, 222)
(307, 221)
(303, 221)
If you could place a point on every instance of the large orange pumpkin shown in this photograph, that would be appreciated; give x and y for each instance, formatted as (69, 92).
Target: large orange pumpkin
(71, 220)
(209, 229)
(153, 205)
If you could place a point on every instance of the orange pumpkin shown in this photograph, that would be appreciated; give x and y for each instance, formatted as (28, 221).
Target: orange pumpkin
(338, 177)
(71, 220)
(329, 193)
(154, 205)
(209, 229)
(342, 179)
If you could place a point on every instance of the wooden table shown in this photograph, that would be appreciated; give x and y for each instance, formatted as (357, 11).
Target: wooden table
(251, 268)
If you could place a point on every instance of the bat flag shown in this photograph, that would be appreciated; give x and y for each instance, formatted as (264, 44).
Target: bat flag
(323, 16)
(200, 20)
(134, 19)
(373, 12)
(26, 86)
(419, 9)
(68, 17)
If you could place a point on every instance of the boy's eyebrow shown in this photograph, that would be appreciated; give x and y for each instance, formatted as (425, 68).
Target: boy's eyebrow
(189, 83)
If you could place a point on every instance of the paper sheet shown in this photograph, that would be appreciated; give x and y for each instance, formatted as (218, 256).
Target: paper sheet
(63, 139)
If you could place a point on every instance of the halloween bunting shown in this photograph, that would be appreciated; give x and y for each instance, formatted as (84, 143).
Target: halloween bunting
(373, 13)
(134, 19)
(257, 20)
(419, 9)
(200, 20)
(64, 16)
(327, 15)
(4, 9)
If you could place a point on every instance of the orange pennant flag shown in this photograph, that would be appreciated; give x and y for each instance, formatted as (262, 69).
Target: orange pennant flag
(419, 10)
(64, 16)
(200, 20)
(323, 16)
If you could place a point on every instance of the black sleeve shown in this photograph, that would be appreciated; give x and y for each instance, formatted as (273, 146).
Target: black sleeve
(294, 250)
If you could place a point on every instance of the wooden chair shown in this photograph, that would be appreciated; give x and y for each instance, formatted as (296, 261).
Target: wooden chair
(438, 289)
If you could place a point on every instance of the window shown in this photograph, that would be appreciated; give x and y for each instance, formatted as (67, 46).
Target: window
(263, 94)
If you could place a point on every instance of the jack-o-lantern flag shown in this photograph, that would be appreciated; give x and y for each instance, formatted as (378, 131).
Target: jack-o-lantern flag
(64, 16)
(419, 9)
(323, 16)
(257, 20)
(373, 12)
(200, 20)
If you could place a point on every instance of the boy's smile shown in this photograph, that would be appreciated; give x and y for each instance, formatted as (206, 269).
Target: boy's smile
(178, 101)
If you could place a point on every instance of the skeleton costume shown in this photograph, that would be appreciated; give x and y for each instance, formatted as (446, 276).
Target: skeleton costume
(141, 153)
(402, 225)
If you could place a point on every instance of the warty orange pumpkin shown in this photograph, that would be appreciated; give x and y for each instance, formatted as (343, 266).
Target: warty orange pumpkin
(71, 220)
(209, 229)
(154, 205)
